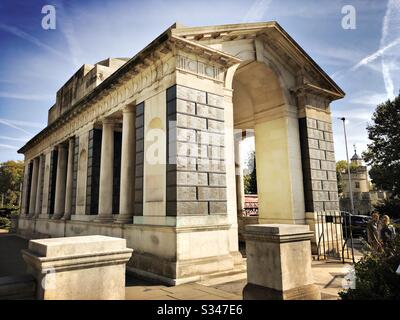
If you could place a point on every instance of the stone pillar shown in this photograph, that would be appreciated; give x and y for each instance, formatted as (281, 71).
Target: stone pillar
(38, 202)
(70, 178)
(239, 175)
(78, 268)
(279, 168)
(59, 205)
(318, 161)
(32, 199)
(24, 206)
(279, 263)
(128, 159)
(106, 172)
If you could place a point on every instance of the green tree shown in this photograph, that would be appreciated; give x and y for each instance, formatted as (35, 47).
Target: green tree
(341, 168)
(383, 153)
(11, 176)
(250, 180)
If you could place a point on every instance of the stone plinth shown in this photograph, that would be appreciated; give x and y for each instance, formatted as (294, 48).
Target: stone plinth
(72, 268)
(279, 263)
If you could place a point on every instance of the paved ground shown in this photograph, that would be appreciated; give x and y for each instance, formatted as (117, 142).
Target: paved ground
(329, 276)
(11, 262)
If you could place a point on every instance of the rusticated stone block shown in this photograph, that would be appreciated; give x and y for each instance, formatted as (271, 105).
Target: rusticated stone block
(209, 138)
(330, 155)
(185, 106)
(217, 179)
(215, 126)
(312, 123)
(185, 163)
(209, 193)
(191, 178)
(328, 136)
(321, 195)
(328, 165)
(191, 150)
(209, 165)
(218, 207)
(215, 100)
(187, 208)
(317, 154)
(186, 121)
(329, 185)
(215, 152)
(331, 205)
(334, 196)
(181, 193)
(318, 174)
(210, 112)
(313, 143)
(186, 135)
(331, 175)
(315, 134)
(191, 94)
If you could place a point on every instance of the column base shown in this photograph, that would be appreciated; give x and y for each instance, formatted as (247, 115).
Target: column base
(56, 217)
(104, 219)
(256, 292)
(124, 219)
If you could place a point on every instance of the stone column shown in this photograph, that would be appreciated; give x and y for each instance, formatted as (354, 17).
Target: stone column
(59, 205)
(32, 199)
(70, 178)
(128, 157)
(279, 263)
(239, 175)
(279, 168)
(38, 202)
(106, 172)
(24, 206)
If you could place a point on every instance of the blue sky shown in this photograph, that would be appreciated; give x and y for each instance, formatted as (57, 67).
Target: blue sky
(35, 63)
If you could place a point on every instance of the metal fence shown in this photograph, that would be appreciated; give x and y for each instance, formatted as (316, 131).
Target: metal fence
(334, 234)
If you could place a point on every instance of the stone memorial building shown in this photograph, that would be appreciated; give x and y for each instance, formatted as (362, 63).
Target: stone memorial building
(144, 148)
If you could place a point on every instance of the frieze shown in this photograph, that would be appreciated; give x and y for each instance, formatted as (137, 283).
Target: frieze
(121, 93)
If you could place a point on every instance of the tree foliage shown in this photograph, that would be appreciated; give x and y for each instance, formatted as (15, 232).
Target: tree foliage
(250, 180)
(383, 153)
(11, 176)
(375, 276)
(341, 168)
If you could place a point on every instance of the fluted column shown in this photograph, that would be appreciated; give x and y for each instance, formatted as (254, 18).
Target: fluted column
(106, 172)
(38, 202)
(61, 178)
(128, 155)
(32, 196)
(70, 177)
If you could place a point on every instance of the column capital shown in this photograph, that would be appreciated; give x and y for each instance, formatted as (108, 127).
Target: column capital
(129, 108)
(109, 121)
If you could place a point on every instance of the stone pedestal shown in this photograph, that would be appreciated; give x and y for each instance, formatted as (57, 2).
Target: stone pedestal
(279, 263)
(76, 268)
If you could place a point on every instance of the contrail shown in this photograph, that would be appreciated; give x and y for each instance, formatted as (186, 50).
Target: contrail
(257, 10)
(390, 27)
(25, 36)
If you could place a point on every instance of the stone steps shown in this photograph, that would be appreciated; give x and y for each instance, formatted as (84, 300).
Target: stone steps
(239, 273)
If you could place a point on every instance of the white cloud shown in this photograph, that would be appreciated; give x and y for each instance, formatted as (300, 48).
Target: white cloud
(7, 146)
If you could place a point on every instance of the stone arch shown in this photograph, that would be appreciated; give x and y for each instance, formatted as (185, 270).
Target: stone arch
(262, 102)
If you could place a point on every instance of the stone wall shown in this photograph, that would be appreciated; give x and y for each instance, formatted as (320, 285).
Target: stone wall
(319, 166)
(196, 171)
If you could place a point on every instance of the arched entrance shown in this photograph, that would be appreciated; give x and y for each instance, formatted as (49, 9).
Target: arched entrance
(262, 102)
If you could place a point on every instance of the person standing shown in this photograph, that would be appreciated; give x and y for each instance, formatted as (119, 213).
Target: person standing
(372, 232)
(388, 232)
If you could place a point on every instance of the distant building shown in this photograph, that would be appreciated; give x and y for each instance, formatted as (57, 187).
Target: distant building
(363, 196)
